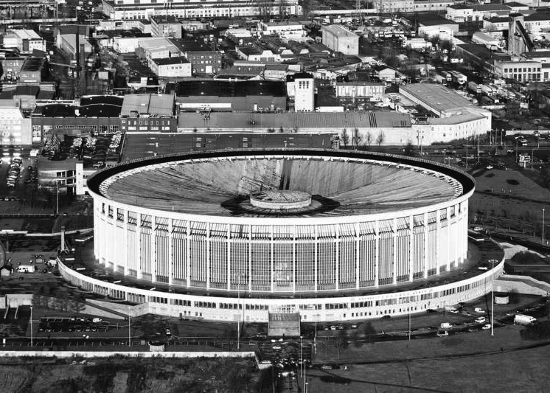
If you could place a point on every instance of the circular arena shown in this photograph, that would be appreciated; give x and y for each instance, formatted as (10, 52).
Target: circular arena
(334, 235)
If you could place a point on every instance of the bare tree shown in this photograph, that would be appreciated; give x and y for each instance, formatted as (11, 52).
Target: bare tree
(357, 137)
(345, 137)
(340, 342)
(380, 138)
(368, 138)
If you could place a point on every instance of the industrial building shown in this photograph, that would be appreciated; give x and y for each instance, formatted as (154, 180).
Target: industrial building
(340, 39)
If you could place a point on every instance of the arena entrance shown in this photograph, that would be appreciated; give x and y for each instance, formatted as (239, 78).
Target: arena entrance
(285, 324)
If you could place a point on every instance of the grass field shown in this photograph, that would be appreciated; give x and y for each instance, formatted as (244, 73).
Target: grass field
(473, 362)
(509, 199)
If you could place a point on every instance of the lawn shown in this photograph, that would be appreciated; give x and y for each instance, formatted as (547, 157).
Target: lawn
(508, 199)
(473, 362)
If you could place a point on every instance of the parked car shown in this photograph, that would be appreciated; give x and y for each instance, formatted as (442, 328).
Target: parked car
(480, 320)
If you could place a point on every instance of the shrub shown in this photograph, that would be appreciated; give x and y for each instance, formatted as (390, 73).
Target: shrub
(513, 182)
(526, 258)
(538, 331)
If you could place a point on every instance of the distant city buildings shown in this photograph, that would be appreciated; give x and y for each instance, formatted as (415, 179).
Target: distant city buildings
(144, 9)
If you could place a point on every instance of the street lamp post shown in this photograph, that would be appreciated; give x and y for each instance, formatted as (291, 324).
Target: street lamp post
(301, 359)
(56, 198)
(31, 328)
(129, 327)
(542, 235)
(493, 299)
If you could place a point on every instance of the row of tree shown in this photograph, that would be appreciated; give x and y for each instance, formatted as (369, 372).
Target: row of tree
(356, 138)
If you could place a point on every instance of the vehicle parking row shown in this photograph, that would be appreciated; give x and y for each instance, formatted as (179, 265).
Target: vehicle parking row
(70, 325)
(14, 172)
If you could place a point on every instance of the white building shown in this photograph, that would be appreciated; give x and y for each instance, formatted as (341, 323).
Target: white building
(431, 5)
(358, 89)
(519, 69)
(172, 67)
(144, 9)
(15, 129)
(457, 118)
(340, 39)
(127, 44)
(24, 40)
(286, 30)
(304, 92)
(109, 25)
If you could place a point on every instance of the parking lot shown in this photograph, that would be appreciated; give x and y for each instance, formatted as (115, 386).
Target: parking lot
(69, 325)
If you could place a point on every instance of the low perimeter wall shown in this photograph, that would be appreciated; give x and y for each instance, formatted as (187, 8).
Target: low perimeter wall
(90, 354)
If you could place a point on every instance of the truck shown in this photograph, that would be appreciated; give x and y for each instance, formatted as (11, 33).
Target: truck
(474, 87)
(459, 77)
(440, 79)
(417, 44)
(521, 319)
(26, 269)
(447, 75)
(486, 89)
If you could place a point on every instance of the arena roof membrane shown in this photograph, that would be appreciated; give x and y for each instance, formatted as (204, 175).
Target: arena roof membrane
(345, 183)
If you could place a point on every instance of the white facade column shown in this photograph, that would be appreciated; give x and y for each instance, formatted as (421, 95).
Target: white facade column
(139, 271)
(249, 265)
(437, 240)
(425, 245)
(125, 242)
(411, 248)
(207, 256)
(170, 251)
(395, 260)
(316, 256)
(272, 263)
(377, 254)
(337, 242)
(228, 257)
(294, 261)
(450, 230)
(188, 254)
(465, 230)
(357, 259)
(153, 258)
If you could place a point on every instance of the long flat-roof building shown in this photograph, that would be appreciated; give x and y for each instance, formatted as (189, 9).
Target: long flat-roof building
(457, 117)
(148, 113)
(438, 99)
(144, 9)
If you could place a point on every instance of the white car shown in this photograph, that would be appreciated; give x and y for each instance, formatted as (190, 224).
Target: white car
(480, 320)
(487, 326)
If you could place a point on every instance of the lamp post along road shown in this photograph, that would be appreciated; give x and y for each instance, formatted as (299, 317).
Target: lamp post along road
(31, 328)
(129, 328)
(542, 235)
(493, 299)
